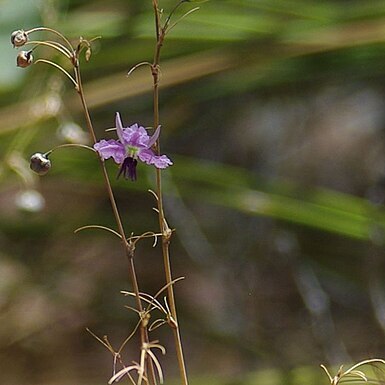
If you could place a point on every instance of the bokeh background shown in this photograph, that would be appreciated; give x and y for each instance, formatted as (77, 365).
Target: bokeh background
(273, 112)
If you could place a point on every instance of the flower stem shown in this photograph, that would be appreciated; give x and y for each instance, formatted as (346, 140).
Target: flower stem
(53, 44)
(60, 68)
(129, 252)
(66, 41)
(164, 229)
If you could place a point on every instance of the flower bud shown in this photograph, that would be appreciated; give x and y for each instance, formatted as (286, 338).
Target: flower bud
(39, 163)
(19, 38)
(24, 59)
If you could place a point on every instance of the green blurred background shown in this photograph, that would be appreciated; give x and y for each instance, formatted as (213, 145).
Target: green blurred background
(273, 112)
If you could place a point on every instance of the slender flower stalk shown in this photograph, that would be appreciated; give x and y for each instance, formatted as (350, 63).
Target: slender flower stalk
(164, 229)
(133, 145)
(41, 164)
(129, 252)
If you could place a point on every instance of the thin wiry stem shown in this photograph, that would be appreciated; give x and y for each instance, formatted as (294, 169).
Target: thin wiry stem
(147, 234)
(152, 303)
(69, 45)
(157, 18)
(353, 374)
(121, 231)
(98, 227)
(365, 362)
(116, 354)
(168, 19)
(126, 371)
(160, 291)
(106, 345)
(53, 44)
(129, 337)
(157, 364)
(73, 55)
(137, 66)
(59, 68)
(181, 18)
(154, 297)
(164, 229)
(70, 145)
(156, 324)
(327, 372)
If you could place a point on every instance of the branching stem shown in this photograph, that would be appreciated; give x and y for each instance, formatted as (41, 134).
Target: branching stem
(126, 245)
(164, 229)
(57, 33)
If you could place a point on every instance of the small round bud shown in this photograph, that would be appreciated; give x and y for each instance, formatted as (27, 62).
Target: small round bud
(39, 163)
(24, 59)
(19, 38)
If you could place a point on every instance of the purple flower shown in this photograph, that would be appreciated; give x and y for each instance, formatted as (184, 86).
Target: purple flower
(133, 144)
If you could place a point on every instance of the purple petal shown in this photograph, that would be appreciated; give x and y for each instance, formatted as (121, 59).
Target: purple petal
(119, 126)
(148, 157)
(110, 148)
(154, 138)
(162, 161)
(135, 136)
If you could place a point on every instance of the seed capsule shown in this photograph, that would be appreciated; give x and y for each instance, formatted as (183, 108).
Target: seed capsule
(19, 38)
(39, 163)
(24, 59)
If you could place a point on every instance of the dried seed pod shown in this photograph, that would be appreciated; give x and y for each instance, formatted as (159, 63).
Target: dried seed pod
(39, 163)
(19, 38)
(24, 59)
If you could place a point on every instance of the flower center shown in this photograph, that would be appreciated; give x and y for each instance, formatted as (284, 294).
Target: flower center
(132, 151)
